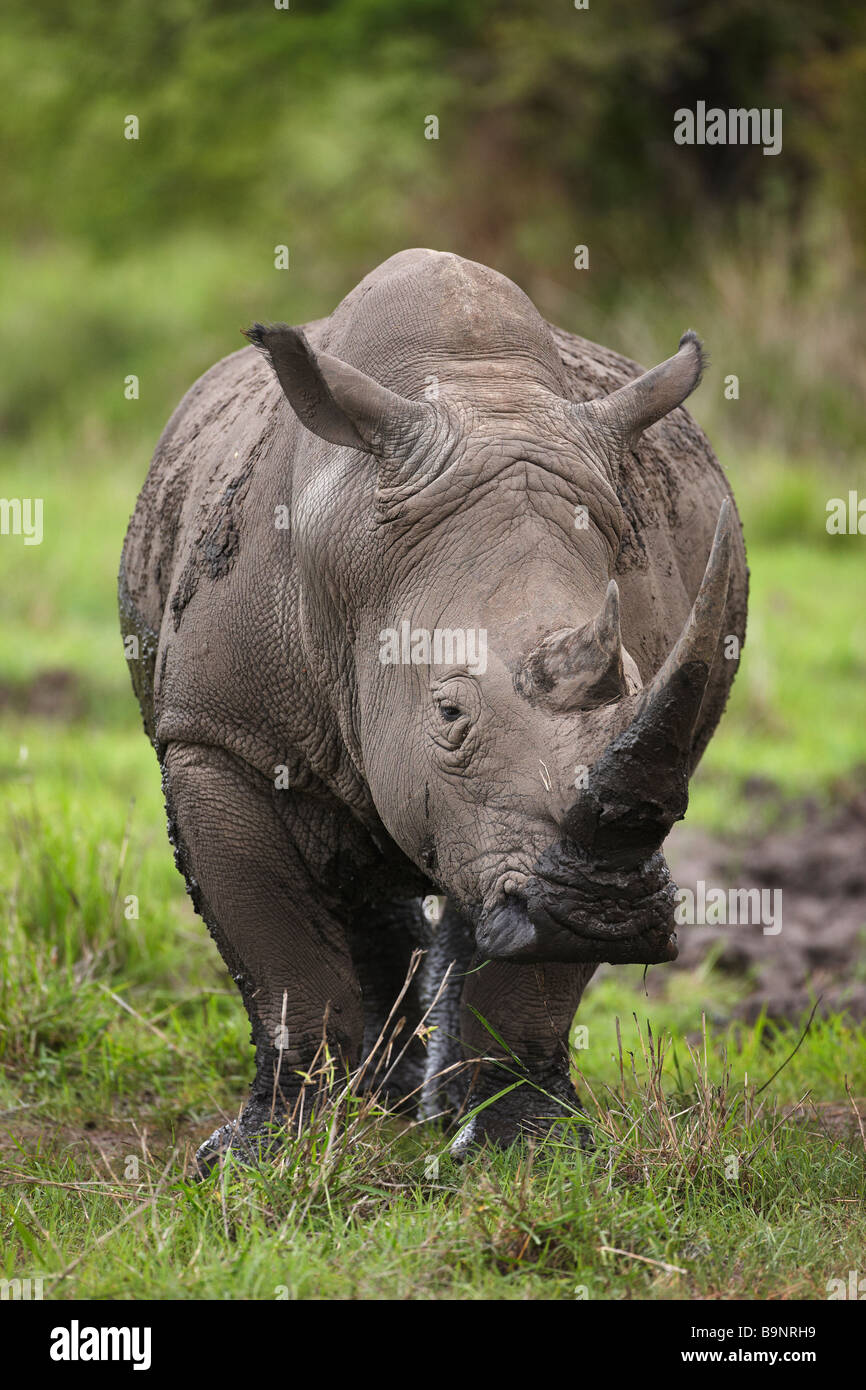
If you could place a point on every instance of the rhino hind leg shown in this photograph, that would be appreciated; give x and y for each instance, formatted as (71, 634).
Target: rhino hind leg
(382, 939)
(431, 1079)
(530, 1007)
(449, 956)
(284, 946)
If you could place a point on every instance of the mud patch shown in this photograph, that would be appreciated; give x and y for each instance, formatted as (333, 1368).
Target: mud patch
(215, 548)
(53, 694)
(98, 1148)
(218, 538)
(832, 1120)
(820, 868)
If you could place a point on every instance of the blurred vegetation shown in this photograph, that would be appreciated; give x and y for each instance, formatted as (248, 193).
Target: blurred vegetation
(305, 127)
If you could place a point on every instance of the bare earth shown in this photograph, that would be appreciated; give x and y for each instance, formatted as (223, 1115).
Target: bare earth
(820, 866)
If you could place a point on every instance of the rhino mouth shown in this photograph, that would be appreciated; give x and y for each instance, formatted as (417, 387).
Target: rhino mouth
(583, 911)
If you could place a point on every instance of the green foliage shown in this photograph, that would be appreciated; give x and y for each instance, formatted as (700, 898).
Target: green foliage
(247, 112)
(305, 127)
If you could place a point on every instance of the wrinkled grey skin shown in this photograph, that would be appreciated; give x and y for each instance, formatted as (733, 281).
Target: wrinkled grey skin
(428, 447)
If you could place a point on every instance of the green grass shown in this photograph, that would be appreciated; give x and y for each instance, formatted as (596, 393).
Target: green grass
(695, 1187)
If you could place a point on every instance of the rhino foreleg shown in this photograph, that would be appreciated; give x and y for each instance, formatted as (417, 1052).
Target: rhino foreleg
(283, 944)
(531, 1008)
(449, 956)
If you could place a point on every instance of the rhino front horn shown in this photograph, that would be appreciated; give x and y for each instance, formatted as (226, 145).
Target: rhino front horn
(639, 787)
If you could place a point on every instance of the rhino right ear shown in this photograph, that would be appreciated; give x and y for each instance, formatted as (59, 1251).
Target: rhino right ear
(334, 400)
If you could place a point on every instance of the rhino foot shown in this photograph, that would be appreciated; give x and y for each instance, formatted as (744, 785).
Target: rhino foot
(250, 1140)
(530, 1111)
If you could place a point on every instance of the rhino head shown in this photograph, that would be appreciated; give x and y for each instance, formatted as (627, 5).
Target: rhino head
(519, 760)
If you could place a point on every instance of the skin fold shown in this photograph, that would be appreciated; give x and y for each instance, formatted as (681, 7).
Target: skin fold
(433, 457)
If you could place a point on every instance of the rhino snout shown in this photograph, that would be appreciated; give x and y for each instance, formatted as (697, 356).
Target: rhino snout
(574, 909)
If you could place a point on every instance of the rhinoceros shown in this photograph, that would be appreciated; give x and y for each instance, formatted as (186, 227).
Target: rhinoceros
(430, 598)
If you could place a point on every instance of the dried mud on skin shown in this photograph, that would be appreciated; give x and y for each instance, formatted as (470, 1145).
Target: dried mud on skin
(820, 866)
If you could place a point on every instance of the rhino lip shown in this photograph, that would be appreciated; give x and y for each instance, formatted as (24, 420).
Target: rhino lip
(594, 914)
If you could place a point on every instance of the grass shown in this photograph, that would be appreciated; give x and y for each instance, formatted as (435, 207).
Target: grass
(694, 1187)
(122, 1042)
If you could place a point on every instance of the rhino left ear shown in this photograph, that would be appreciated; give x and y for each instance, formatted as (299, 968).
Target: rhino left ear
(336, 401)
(626, 413)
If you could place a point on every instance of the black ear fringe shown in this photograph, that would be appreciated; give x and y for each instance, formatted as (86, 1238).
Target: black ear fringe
(690, 336)
(260, 332)
(256, 335)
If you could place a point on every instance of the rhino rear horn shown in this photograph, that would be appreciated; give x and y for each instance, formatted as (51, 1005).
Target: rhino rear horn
(578, 668)
(639, 787)
(625, 414)
(335, 401)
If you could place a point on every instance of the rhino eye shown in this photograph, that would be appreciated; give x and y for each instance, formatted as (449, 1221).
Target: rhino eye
(455, 707)
(449, 713)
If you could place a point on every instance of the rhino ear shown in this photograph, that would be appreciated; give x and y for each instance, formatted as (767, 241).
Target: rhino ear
(626, 413)
(334, 400)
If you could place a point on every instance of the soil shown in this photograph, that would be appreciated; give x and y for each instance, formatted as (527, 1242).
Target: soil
(819, 865)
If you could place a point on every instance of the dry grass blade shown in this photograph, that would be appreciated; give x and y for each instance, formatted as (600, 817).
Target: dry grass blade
(644, 1259)
(857, 1114)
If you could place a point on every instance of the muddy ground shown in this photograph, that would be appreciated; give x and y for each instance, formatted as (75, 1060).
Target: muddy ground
(818, 861)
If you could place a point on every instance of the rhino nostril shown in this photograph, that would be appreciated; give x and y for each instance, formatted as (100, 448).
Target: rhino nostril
(514, 885)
